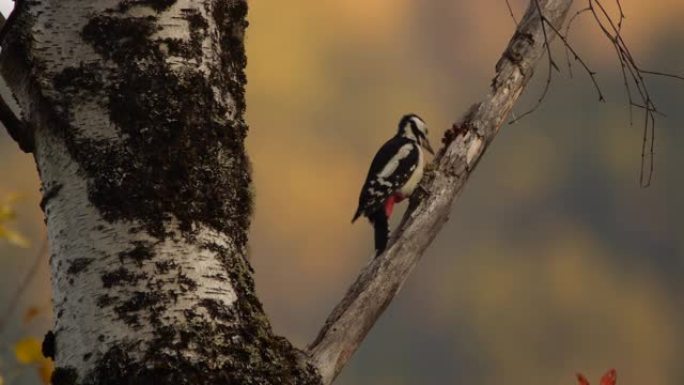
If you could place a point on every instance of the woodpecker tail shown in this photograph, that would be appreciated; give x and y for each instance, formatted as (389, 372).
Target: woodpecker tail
(381, 227)
(357, 214)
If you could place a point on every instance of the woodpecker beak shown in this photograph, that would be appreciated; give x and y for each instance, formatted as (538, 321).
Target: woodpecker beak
(426, 145)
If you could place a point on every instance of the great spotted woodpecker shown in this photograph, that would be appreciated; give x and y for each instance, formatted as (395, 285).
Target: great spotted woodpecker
(394, 173)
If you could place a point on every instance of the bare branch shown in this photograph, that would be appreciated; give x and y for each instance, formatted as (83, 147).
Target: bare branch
(611, 30)
(643, 71)
(510, 11)
(567, 33)
(622, 14)
(465, 143)
(591, 73)
(16, 128)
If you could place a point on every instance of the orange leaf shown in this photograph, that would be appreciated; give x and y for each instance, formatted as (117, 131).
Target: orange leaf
(28, 351)
(610, 378)
(45, 370)
(30, 314)
(581, 379)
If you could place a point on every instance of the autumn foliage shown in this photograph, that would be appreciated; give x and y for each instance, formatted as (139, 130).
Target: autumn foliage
(609, 378)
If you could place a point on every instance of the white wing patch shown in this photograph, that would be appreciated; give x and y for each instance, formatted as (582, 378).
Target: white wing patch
(384, 182)
(392, 165)
(416, 175)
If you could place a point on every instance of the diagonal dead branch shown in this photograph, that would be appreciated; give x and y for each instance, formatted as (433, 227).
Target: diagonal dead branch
(465, 143)
(16, 128)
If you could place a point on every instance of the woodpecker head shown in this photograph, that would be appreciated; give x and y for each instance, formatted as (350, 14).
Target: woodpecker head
(411, 126)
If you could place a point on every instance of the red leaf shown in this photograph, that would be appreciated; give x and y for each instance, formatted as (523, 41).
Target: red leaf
(609, 378)
(581, 379)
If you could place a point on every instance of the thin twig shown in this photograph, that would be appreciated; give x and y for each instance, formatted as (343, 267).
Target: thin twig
(643, 71)
(622, 14)
(551, 65)
(612, 30)
(567, 33)
(510, 11)
(591, 73)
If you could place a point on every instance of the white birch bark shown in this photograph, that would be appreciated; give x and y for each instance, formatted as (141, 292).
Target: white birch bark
(136, 108)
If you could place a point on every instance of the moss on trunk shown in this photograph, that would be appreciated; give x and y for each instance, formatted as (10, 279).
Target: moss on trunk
(178, 157)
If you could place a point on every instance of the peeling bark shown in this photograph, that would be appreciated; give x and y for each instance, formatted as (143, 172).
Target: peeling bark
(139, 141)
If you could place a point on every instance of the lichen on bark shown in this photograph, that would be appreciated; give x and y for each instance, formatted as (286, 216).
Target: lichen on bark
(167, 171)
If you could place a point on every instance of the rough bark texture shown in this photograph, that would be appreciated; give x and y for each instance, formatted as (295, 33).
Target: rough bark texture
(137, 107)
(464, 144)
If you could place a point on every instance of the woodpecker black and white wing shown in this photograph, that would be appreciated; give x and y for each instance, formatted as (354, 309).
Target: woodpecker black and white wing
(392, 167)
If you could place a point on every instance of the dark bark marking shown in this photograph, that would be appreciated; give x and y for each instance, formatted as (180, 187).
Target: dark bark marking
(64, 376)
(157, 5)
(218, 310)
(185, 283)
(48, 346)
(106, 300)
(141, 252)
(165, 266)
(121, 277)
(78, 265)
(198, 31)
(84, 78)
(49, 194)
(230, 16)
(152, 302)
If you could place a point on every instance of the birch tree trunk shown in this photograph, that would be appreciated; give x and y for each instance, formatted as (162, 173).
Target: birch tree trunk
(136, 108)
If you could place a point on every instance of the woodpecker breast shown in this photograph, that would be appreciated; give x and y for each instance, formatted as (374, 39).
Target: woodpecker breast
(407, 189)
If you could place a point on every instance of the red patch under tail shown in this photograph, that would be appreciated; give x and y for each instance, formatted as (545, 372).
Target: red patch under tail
(389, 205)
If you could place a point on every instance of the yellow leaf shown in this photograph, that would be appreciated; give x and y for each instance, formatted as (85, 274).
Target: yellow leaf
(6, 207)
(28, 351)
(6, 212)
(2, 380)
(45, 370)
(17, 239)
(13, 237)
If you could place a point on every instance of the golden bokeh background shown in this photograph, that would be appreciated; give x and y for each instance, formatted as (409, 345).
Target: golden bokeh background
(554, 260)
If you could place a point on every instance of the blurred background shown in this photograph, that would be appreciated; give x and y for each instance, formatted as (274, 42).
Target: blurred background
(554, 260)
